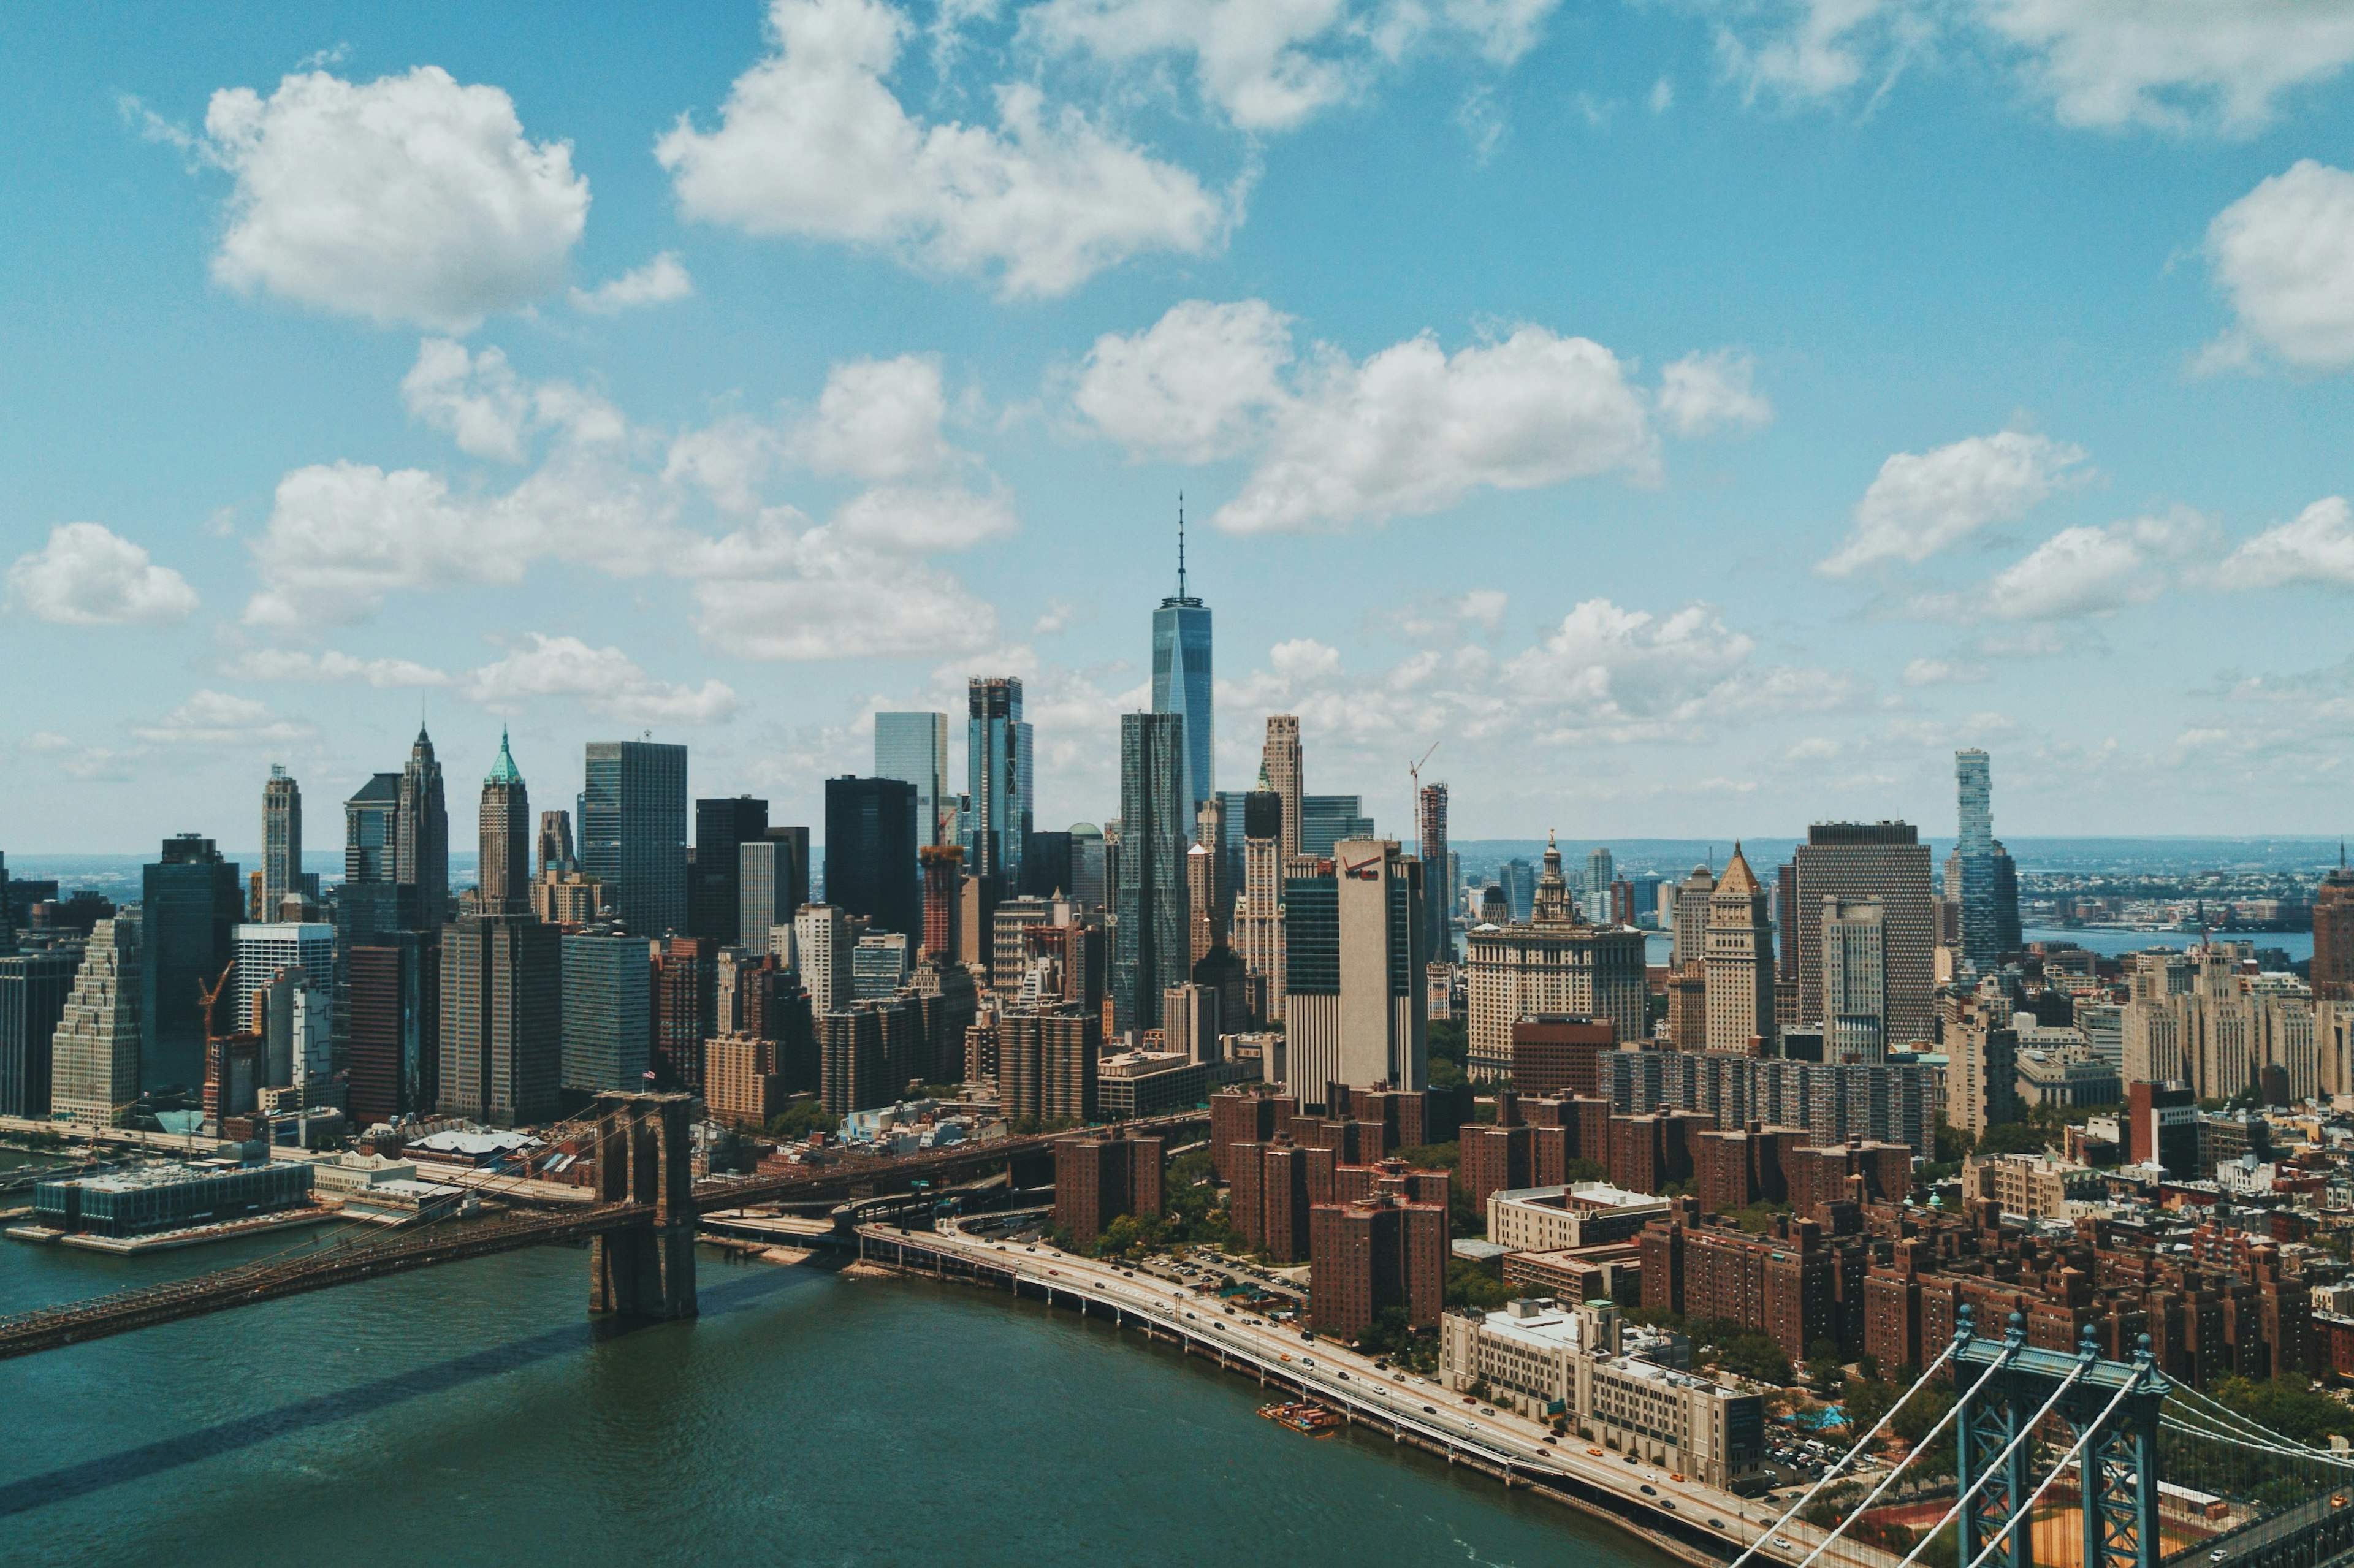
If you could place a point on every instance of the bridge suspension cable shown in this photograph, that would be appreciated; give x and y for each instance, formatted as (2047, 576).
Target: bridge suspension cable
(2023, 1517)
(2085, 1363)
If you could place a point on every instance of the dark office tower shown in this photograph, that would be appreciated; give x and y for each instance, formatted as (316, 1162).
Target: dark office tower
(1181, 679)
(191, 903)
(34, 986)
(1152, 944)
(502, 1002)
(942, 866)
(914, 747)
(281, 841)
(870, 851)
(2333, 934)
(1047, 865)
(1438, 882)
(505, 823)
(1974, 850)
(2009, 936)
(714, 911)
(556, 843)
(633, 833)
(685, 1009)
(421, 846)
(1786, 923)
(394, 1006)
(1871, 859)
(997, 774)
(608, 1012)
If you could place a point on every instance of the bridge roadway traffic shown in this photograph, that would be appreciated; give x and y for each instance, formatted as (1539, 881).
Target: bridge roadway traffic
(1336, 1375)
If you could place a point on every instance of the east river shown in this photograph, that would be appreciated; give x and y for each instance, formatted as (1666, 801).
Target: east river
(470, 1414)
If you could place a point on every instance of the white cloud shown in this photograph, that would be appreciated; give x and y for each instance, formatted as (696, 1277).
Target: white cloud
(659, 281)
(812, 143)
(820, 598)
(478, 400)
(1817, 49)
(1703, 392)
(88, 763)
(297, 664)
(1944, 672)
(2284, 256)
(1663, 96)
(877, 420)
(410, 198)
(88, 575)
(2089, 571)
(1922, 502)
(919, 520)
(2317, 546)
(216, 718)
(605, 680)
(1485, 605)
(2178, 66)
(1196, 384)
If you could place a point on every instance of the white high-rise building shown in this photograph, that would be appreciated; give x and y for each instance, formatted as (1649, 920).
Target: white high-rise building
(1855, 981)
(262, 950)
(94, 1054)
(821, 935)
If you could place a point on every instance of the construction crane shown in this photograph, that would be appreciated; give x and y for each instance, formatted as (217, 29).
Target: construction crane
(1414, 771)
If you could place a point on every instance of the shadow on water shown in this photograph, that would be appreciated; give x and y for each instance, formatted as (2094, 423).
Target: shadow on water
(321, 1410)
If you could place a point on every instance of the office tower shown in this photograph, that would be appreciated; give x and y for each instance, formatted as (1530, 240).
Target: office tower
(634, 831)
(95, 1054)
(2333, 934)
(1280, 762)
(1151, 946)
(290, 1015)
(1974, 849)
(1551, 963)
(421, 837)
(1046, 866)
(505, 820)
(998, 783)
(2007, 936)
(1600, 872)
(1981, 1068)
(685, 1009)
(190, 902)
(563, 897)
(941, 868)
(555, 852)
(1326, 820)
(1785, 921)
(1354, 1009)
(1690, 927)
(1046, 1063)
(771, 884)
(714, 902)
(879, 965)
(1870, 860)
(501, 1007)
(1438, 870)
(34, 986)
(608, 1012)
(393, 1004)
(281, 841)
(1518, 879)
(369, 900)
(1008, 955)
(870, 851)
(913, 747)
(1089, 888)
(1258, 910)
(1210, 890)
(1740, 962)
(821, 938)
(1190, 1019)
(1181, 680)
(1855, 981)
(262, 951)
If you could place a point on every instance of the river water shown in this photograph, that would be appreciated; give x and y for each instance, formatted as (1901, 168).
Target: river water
(470, 1415)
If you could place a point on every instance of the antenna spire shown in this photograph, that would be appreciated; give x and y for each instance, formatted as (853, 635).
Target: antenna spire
(1181, 544)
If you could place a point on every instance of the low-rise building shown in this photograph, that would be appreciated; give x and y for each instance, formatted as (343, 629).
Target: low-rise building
(2033, 1184)
(1552, 1219)
(169, 1196)
(1133, 1084)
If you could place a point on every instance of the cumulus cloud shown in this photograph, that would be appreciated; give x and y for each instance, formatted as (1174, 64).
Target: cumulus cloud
(605, 681)
(1922, 502)
(1944, 672)
(2092, 571)
(1484, 606)
(1705, 392)
(408, 199)
(659, 281)
(820, 597)
(477, 399)
(2284, 256)
(216, 719)
(88, 575)
(331, 667)
(812, 143)
(878, 421)
(2317, 546)
(1196, 384)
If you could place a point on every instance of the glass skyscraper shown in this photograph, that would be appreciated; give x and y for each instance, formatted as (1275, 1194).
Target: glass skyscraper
(633, 833)
(191, 902)
(997, 774)
(1181, 680)
(1152, 936)
(1974, 850)
(914, 746)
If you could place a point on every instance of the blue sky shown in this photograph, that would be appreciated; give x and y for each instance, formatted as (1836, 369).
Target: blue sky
(1698, 419)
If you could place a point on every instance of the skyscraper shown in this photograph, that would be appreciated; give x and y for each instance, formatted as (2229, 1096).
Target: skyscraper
(555, 852)
(502, 1006)
(714, 905)
(870, 851)
(190, 906)
(822, 943)
(1258, 911)
(393, 1004)
(1855, 981)
(1974, 849)
(34, 986)
(1870, 860)
(1151, 946)
(942, 869)
(1438, 874)
(634, 831)
(1279, 759)
(914, 749)
(2333, 934)
(772, 881)
(266, 950)
(96, 1050)
(421, 837)
(1739, 966)
(1180, 678)
(281, 840)
(1354, 1013)
(998, 780)
(506, 838)
(608, 1011)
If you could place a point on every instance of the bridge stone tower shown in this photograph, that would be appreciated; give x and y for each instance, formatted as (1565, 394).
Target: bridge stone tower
(647, 1270)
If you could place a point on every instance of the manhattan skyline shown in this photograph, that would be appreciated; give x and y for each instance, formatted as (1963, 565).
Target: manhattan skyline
(1763, 406)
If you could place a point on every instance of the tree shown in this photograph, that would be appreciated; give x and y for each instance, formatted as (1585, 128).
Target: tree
(1476, 1285)
(1390, 1333)
(802, 1117)
(1867, 1399)
(1824, 1368)
(2011, 1137)
(1755, 1357)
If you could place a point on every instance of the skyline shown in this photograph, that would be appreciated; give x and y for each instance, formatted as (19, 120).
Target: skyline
(1822, 398)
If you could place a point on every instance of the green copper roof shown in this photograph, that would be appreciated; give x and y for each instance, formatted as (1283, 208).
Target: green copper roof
(503, 772)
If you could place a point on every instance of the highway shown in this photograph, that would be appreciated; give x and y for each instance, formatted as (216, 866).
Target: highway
(1419, 1404)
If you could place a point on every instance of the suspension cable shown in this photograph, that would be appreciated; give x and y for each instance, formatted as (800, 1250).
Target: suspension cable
(2027, 1428)
(2023, 1517)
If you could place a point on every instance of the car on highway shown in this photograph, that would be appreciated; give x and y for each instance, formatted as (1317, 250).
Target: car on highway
(1307, 1360)
(1650, 1490)
(1487, 1410)
(1344, 1377)
(1783, 1541)
(1716, 1524)
(1595, 1452)
(1550, 1438)
(1668, 1503)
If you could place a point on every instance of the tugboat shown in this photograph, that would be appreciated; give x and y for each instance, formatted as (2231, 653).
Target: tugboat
(1313, 1419)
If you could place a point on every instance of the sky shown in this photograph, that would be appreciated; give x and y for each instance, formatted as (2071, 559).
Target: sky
(1694, 418)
